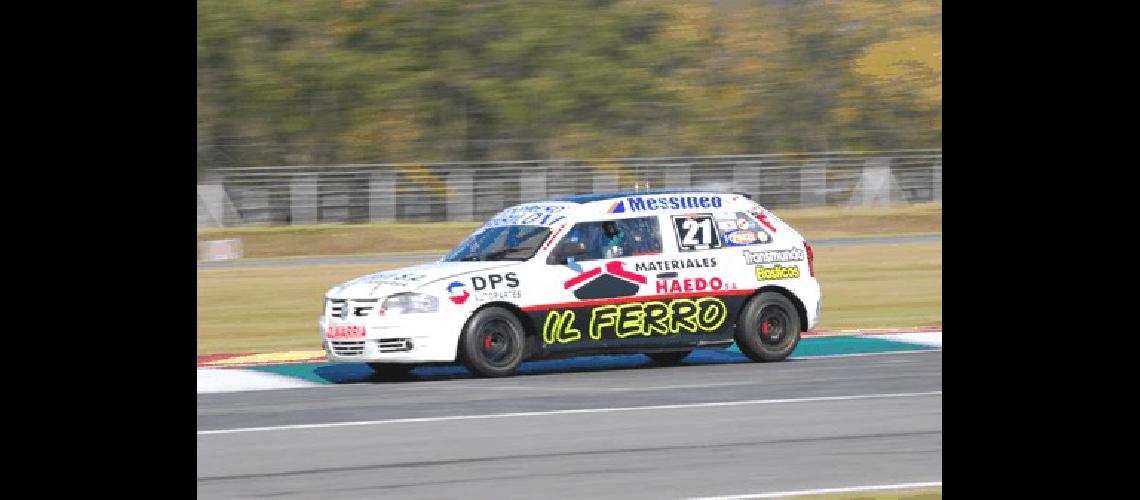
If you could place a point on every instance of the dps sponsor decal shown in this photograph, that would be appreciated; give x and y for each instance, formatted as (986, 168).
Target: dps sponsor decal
(777, 272)
(645, 203)
(621, 321)
(493, 281)
(496, 287)
(692, 285)
(458, 293)
(498, 295)
(771, 256)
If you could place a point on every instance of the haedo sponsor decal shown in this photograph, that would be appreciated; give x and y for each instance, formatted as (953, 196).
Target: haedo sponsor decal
(458, 292)
(777, 272)
(669, 265)
(692, 285)
(705, 315)
(528, 215)
(645, 203)
(770, 256)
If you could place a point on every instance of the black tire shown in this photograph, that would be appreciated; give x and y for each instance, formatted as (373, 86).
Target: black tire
(492, 343)
(392, 370)
(668, 358)
(769, 327)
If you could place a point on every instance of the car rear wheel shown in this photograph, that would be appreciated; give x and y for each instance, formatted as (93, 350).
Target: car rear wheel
(769, 327)
(492, 344)
(668, 358)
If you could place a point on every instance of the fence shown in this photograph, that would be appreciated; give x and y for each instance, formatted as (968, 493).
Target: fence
(475, 191)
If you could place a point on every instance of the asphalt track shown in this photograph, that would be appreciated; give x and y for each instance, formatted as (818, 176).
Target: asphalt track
(725, 429)
(417, 258)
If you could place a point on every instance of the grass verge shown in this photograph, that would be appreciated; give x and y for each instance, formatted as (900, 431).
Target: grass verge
(275, 309)
(439, 237)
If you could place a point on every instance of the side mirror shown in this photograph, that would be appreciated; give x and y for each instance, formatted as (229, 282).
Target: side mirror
(567, 249)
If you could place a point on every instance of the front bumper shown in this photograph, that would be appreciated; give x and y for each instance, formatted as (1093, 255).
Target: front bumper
(411, 338)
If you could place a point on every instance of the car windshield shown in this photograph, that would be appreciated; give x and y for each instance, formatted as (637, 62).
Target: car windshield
(500, 243)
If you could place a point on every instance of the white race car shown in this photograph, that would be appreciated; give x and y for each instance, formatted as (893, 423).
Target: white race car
(659, 273)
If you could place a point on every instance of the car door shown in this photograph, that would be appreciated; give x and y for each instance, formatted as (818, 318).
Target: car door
(700, 278)
(645, 294)
(598, 292)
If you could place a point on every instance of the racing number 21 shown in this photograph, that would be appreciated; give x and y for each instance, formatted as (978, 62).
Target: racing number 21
(696, 232)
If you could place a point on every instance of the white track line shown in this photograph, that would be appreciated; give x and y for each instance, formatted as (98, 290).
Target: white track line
(780, 494)
(568, 412)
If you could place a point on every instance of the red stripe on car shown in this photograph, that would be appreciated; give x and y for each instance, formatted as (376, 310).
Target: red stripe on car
(622, 300)
(615, 269)
(553, 236)
(582, 277)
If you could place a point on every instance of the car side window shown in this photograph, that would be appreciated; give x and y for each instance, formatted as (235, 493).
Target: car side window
(609, 239)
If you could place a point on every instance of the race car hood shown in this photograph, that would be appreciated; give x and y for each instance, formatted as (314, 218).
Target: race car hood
(407, 279)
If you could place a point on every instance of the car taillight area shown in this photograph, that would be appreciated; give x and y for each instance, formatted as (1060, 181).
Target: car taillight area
(810, 259)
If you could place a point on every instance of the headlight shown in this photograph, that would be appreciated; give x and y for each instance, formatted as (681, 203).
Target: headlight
(408, 303)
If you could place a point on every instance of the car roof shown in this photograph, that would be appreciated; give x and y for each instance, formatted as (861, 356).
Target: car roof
(590, 198)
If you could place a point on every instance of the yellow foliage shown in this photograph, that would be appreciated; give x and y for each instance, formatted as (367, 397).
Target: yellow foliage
(913, 61)
(690, 21)
(392, 133)
(615, 169)
(419, 174)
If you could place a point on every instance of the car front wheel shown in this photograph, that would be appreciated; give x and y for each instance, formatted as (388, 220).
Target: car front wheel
(492, 343)
(769, 327)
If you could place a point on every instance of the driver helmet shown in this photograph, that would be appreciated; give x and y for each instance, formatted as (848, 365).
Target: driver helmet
(611, 229)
